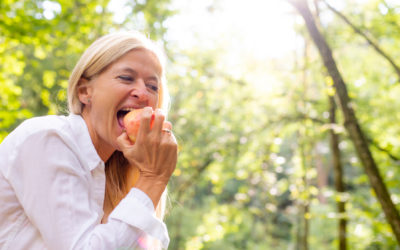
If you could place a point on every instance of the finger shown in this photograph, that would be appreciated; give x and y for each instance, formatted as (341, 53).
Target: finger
(168, 135)
(173, 138)
(169, 140)
(145, 120)
(159, 118)
(167, 128)
(123, 141)
(167, 125)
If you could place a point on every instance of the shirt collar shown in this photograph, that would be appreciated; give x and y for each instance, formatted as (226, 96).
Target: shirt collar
(82, 136)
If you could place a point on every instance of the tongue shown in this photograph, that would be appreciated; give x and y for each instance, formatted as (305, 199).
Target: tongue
(120, 118)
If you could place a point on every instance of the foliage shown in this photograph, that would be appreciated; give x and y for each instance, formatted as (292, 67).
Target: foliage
(252, 154)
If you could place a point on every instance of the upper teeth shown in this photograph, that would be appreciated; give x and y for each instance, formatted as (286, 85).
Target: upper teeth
(127, 109)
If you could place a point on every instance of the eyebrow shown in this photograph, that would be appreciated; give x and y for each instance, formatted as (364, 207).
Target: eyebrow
(126, 69)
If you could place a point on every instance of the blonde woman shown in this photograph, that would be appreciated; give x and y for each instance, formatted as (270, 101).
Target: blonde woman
(77, 182)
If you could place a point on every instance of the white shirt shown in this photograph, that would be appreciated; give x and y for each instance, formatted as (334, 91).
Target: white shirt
(52, 185)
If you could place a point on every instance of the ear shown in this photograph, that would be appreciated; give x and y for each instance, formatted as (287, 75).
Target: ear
(84, 90)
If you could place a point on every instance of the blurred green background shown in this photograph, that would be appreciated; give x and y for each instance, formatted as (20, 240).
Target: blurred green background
(250, 109)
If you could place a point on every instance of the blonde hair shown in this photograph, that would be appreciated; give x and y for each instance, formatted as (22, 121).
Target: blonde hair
(97, 57)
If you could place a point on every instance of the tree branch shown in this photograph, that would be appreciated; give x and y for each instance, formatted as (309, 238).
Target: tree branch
(367, 38)
(182, 188)
(384, 150)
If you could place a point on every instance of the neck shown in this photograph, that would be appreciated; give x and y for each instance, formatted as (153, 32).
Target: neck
(104, 150)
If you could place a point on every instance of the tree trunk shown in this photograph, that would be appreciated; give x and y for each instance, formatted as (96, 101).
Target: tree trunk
(300, 217)
(305, 203)
(366, 37)
(351, 123)
(306, 227)
(338, 174)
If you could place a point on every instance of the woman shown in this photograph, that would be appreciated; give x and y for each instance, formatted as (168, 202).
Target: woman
(78, 182)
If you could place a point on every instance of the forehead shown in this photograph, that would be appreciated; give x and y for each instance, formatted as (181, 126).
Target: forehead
(136, 59)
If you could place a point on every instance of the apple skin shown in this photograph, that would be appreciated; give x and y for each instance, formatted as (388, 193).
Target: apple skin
(132, 123)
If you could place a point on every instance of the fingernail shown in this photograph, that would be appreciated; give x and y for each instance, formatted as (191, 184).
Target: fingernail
(160, 111)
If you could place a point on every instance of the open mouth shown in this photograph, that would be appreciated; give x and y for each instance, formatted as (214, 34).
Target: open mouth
(121, 114)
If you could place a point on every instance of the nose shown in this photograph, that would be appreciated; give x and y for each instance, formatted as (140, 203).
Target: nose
(140, 92)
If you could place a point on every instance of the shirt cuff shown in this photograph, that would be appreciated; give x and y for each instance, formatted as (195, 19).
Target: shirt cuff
(143, 197)
(137, 210)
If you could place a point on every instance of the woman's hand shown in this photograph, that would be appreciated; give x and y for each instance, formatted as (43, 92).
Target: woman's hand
(154, 153)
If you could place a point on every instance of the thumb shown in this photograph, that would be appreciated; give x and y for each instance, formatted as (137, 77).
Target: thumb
(123, 141)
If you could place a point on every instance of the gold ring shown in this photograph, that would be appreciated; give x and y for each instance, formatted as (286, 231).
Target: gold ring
(167, 130)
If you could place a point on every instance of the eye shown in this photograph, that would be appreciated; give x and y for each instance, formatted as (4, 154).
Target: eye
(126, 78)
(153, 87)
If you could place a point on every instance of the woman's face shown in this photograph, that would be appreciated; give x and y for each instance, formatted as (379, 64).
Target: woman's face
(132, 82)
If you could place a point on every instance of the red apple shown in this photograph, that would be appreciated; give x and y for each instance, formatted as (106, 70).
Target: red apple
(132, 123)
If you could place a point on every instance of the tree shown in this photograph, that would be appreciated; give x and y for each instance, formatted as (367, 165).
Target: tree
(338, 174)
(351, 123)
(374, 45)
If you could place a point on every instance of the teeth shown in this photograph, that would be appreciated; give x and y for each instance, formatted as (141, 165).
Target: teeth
(127, 109)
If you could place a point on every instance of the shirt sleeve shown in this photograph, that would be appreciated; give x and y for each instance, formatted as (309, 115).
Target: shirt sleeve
(53, 186)
(138, 201)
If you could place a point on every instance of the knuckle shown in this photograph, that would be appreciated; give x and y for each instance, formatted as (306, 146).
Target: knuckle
(146, 117)
(159, 114)
(171, 145)
(154, 140)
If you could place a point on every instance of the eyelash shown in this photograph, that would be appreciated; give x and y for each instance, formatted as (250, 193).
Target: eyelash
(152, 87)
(130, 79)
(126, 78)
